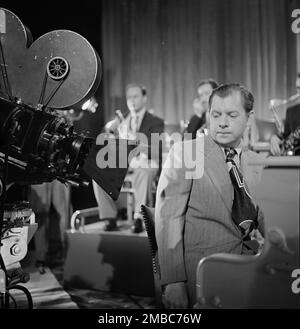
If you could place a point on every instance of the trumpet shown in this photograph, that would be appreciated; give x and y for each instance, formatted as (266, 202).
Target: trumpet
(283, 103)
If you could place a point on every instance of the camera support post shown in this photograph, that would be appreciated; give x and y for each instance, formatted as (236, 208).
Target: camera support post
(13, 248)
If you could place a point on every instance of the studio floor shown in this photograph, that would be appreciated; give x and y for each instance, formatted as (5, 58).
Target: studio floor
(48, 292)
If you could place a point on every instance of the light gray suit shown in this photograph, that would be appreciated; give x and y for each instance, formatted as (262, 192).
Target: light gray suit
(193, 216)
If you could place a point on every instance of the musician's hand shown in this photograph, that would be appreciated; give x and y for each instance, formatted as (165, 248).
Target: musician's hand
(275, 102)
(112, 125)
(175, 295)
(275, 145)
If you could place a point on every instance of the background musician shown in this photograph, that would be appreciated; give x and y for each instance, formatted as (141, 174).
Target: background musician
(292, 122)
(200, 105)
(144, 167)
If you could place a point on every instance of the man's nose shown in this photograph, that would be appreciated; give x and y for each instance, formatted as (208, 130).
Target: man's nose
(223, 121)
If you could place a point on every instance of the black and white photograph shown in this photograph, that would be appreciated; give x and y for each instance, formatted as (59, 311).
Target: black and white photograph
(150, 158)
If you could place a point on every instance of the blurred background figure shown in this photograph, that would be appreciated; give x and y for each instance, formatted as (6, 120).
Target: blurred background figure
(199, 120)
(51, 205)
(143, 168)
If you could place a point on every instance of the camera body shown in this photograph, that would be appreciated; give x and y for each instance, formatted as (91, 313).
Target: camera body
(41, 146)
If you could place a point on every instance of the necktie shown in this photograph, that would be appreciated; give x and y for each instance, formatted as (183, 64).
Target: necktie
(134, 124)
(244, 213)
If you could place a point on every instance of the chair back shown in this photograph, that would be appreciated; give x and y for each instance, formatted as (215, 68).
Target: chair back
(148, 216)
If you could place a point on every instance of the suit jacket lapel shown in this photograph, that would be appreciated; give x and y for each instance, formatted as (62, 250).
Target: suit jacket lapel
(144, 126)
(217, 170)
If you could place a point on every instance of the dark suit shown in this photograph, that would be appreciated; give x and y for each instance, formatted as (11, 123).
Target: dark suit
(152, 124)
(193, 215)
(292, 122)
(195, 123)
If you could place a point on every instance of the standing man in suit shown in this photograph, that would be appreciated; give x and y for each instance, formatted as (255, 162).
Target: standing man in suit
(194, 213)
(48, 200)
(139, 124)
(200, 105)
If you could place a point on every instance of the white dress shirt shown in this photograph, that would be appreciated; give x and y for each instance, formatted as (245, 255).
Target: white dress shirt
(131, 124)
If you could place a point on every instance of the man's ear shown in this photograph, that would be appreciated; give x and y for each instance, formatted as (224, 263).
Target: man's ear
(250, 118)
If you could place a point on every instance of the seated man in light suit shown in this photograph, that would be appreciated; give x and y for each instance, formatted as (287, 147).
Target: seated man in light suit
(194, 208)
(144, 167)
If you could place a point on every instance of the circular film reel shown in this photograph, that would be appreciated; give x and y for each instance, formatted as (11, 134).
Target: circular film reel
(57, 68)
(60, 69)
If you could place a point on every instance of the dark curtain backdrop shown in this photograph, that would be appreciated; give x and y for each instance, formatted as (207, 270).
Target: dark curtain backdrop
(170, 45)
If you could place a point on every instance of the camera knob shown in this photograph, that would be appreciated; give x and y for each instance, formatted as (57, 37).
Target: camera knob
(15, 249)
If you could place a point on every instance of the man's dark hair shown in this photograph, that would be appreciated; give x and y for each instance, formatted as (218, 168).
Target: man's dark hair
(227, 89)
(211, 82)
(298, 75)
(136, 85)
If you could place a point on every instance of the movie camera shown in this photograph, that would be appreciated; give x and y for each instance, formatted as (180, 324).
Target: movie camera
(39, 81)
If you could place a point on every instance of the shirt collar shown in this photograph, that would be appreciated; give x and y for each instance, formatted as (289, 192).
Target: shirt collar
(238, 150)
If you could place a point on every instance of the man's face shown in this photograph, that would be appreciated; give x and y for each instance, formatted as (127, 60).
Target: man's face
(135, 99)
(228, 119)
(204, 92)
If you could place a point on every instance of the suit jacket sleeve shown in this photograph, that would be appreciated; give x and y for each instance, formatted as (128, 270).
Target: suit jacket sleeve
(287, 124)
(171, 203)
